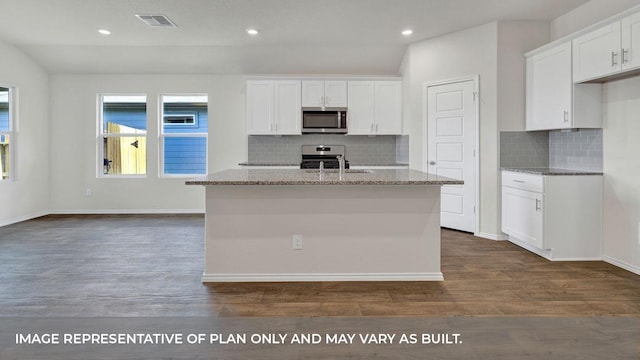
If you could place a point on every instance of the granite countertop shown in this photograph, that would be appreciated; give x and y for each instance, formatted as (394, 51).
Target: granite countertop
(390, 164)
(329, 177)
(551, 171)
(257, 163)
(254, 163)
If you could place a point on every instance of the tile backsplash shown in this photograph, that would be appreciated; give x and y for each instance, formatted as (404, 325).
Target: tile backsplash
(574, 150)
(359, 149)
(524, 149)
(402, 149)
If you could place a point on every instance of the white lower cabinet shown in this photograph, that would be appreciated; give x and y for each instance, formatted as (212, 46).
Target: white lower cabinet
(522, 215)
(556, 216)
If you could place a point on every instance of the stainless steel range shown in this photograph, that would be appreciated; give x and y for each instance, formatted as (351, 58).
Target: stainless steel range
(313, 155)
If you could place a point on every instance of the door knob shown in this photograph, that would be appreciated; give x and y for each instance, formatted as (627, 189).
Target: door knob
(432, 162)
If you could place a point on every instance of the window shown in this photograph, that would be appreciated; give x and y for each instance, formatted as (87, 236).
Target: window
(7, 146)
(184, 134)
(122, 140)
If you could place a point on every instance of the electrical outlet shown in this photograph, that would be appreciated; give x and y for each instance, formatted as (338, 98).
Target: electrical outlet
(87, 192)
(296, 242)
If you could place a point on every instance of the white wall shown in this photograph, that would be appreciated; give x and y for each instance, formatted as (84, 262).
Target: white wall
(621, 143)
(464, 53)
(588, 14)
(514, 39)
(28, 195)
(494, 52)
(621, 146)
(73, 135)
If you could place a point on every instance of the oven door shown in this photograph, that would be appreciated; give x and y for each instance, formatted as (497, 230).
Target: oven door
(324, 122)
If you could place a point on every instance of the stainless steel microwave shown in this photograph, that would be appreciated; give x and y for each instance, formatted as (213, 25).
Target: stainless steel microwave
(329, 121)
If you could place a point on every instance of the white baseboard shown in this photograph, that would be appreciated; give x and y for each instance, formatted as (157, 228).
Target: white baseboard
(18, 219)
(126, 211)
(548, 254)
(322, 277)
(613, 261)
(496, 237)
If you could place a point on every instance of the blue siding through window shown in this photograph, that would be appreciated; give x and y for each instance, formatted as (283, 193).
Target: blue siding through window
(133, 115)
(185, 155)
(4, 117)
(182, 154)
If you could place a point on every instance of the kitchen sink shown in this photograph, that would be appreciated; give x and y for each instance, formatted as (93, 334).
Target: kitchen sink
(346, 171)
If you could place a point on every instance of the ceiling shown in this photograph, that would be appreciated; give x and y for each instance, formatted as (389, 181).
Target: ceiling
(296, 36)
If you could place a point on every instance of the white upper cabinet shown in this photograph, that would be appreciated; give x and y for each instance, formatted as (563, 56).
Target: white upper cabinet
(388, 107)
(549, 89)
(609, 50)
(375, 108)
(312, 93)
(320, 93)
(630, 28)
(597, 54)
(361, 108)
(288, 113)
(553, 101)
(260, 107)
(335, 93)
(273, 107)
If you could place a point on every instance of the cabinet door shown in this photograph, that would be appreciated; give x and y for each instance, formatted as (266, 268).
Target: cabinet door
(522, 215)
(597, 53)
(361, 108)
(335, 93)
(630, 57)
(388, 107)
(288, 114)
(549, 86)
(312, 93)
(260, 107)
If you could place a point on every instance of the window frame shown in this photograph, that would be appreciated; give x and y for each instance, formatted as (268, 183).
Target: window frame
(101, 135)
(162, 135)
(12, 99)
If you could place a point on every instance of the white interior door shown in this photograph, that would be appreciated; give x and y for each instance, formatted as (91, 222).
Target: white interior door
(451, 137)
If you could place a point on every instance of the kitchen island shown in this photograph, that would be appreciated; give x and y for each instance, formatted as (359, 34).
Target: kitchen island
(308, 225)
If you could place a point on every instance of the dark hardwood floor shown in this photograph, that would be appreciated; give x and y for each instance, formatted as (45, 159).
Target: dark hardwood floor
(150, 265)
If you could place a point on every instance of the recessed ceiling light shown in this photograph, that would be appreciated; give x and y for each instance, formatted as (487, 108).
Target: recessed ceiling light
(407, 32)
(252, 31)
(104, 32)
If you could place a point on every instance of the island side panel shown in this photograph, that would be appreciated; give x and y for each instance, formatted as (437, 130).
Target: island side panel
(367, 232)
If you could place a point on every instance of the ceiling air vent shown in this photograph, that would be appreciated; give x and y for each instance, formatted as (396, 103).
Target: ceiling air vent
(156, 20)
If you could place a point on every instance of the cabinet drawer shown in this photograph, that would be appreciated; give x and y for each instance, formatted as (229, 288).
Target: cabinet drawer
(523, 181)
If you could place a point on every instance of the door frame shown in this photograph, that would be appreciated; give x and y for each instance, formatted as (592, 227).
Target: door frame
(425, 134)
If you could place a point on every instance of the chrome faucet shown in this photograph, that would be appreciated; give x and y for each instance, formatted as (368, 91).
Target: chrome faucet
(340, 163)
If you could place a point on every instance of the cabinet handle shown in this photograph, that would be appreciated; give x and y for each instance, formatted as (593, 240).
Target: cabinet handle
(566, 116)
(624, 59)
(538, 204)
(372, 128)
(614, 54)
(376, 128)
(519, 181)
